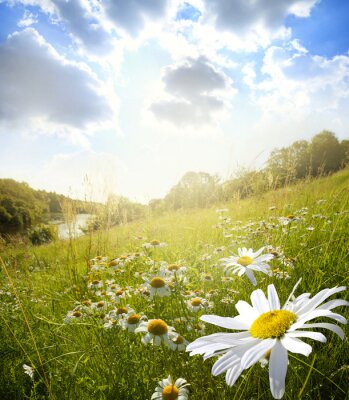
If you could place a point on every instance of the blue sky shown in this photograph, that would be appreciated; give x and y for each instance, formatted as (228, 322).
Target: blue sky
(134, 94)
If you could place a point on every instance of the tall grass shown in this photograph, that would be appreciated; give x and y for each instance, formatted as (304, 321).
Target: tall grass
(83, 360)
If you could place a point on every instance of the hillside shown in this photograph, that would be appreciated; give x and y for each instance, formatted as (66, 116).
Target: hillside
(62, 303)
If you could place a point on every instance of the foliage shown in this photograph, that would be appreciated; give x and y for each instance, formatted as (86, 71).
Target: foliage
(43, 234)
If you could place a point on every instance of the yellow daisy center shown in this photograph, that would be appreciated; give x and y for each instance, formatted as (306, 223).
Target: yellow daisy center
(96, 282)
(245, 260)
(77, 314)
(170, 392)
(290, 216)
(155, 243)
(86, 303)
(157, 282)
(100, 304)
(196, 302)
(119, 292)
(113, 263)
(179, 340)
(157, 327)
(208, 277)
(121, 310)
(122, 257)
(272, 324)
(173, 267)
(133, 319)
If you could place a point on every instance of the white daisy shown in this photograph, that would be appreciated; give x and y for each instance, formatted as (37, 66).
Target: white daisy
(131, 321)
(248, 261)
(178, 343)
(29, 371)
(153, 244)
(198, 303)
(157, 332)
(167, 389)
(157, 286)
(268, 328)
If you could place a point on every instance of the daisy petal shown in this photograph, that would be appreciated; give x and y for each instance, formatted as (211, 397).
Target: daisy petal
(273, 298)
(295, 345)
(224, 322)
(277, 370)
(259, 301)
(256, 352)
(233, 374)
(312, 335)
(331, 327)
(250, 276)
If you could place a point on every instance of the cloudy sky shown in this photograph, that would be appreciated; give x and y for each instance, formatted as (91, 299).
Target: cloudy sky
(128, 95)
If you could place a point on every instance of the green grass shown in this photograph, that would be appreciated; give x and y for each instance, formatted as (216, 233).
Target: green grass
(83, 360)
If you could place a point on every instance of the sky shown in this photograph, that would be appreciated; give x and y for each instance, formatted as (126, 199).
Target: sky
(100, 96)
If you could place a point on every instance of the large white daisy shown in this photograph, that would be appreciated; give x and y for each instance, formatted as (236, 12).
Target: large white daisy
(268, 329)
(246, 262)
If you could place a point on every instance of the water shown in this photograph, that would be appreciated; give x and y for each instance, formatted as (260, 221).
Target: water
(81, 221)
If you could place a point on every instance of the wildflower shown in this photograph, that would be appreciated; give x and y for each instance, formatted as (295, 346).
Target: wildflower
(157, 332)
(246, 262)
(265, 327)
(73, 316)
(178, 343)
(198, 303)
(169, 390)
(288, 219)
(131, 321)
(153, 244)
(29, 371)
(157, 286)
(173, 269)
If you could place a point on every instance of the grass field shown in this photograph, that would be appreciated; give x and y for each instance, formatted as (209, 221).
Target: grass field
(61, 313)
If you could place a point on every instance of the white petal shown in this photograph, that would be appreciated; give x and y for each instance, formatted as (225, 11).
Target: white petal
(291, 294)
(332, 327)
(233, 374)
(277, 370)
(258, 252)
(318, 299)
(273, 298)
(224, 322)
(312, 335)
(247, 312)
(229, 360)
(250, 276)
(256, 352)
(333, 304)
(295, 345)
(259, 301)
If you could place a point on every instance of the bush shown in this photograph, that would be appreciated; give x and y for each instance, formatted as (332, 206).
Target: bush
(43, 234)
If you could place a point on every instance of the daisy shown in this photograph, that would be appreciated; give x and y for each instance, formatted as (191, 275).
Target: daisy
(29, 371)
(178, 343)
(153, 244)
(172, 269)
(131, 321)
(169, 390)
(198, 303)
(268, 329)
(246, 262)
(157, 286)
(157, 332)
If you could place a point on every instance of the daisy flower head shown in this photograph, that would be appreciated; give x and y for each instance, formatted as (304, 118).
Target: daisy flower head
(29, 371)
(157, 285)
(167, 389)
(248, 261)
(266, 328)
(172, 269)
(178, 343)
(198, 303)
(131, 321)
(154, 244)
(156, 332)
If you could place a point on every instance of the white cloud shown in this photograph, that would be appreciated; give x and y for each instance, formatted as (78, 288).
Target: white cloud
(45, 91)
(132, 16)
(194, 91)
(28, 19)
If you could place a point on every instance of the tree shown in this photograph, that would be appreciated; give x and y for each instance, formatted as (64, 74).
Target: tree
(326, 153)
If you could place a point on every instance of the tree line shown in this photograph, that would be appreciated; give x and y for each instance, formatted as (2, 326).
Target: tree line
(323, 155)
(23, 209)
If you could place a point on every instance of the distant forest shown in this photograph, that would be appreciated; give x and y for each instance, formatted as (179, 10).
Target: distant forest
(23, 208)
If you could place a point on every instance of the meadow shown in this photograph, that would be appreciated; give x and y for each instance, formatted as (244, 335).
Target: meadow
(68, 309)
